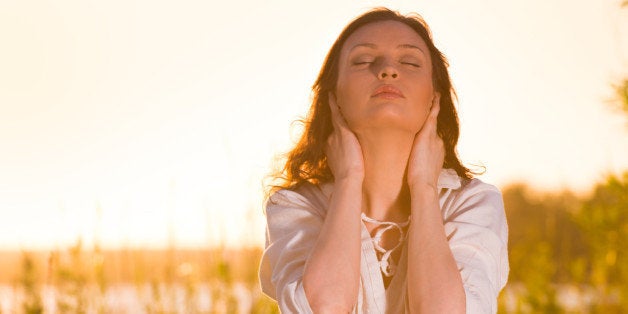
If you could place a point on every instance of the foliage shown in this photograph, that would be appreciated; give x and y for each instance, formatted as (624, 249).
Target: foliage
(30, 283)
(542, 238)
(566, 255)
(603, 219)
(561, 243)
(621, 90)
(71, 280)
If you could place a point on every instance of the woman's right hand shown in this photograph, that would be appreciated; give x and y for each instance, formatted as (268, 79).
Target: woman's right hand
(343, 150)
(331, 276)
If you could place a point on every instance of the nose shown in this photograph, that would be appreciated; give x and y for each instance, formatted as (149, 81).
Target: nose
(387, 71)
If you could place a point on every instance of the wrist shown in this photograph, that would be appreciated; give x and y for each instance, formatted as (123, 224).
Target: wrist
(347, 195)
(422, 190)
(424, 201)
(423, 185)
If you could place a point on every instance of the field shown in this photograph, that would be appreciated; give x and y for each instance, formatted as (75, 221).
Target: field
(566, 255)
(81, 280)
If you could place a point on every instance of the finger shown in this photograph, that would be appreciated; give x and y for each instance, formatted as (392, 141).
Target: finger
(431, 122)
(436, 100)
(435, 109)
(333, 107)
(432, 115)
(337, 117)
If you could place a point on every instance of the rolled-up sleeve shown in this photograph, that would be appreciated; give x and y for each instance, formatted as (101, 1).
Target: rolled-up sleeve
(478, 238)
(293, 226)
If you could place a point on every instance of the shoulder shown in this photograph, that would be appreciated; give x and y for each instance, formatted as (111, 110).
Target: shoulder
(478, 237)
(307, 197)
(477, 202)
(460, 190)
(476, 187)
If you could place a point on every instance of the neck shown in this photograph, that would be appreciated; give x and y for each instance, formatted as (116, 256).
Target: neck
(385, 192)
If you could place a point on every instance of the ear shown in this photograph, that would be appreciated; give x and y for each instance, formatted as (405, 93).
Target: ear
(436, 98)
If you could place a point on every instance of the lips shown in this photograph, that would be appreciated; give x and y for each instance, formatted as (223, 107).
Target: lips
(388, 91)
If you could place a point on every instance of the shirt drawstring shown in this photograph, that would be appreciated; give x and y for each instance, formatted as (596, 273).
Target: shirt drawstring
(387, 266)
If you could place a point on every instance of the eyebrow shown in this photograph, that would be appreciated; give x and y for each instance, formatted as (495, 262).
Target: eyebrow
(402, 46)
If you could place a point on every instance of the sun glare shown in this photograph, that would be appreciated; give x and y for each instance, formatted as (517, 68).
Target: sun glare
(122, 130)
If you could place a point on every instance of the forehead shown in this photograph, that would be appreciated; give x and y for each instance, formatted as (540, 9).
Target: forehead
(384, 33)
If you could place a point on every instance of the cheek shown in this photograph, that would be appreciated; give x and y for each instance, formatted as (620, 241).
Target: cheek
(423, 102)
(348, 98)
(424, 90)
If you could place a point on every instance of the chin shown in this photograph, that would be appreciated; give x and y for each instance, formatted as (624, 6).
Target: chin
(385, 120)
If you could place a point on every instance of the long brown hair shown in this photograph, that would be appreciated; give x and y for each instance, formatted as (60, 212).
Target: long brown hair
(307, 162)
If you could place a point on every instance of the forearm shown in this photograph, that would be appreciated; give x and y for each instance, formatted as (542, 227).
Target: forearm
(434, 282)
(332, 272)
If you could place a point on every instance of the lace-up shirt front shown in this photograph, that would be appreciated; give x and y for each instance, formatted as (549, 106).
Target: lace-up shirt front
(474, 220)
(386, 264)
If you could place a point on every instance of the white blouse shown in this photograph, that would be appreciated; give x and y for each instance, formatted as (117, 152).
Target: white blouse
(474, 220)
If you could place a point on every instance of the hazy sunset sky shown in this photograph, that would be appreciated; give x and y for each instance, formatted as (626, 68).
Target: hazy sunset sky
(142, 122)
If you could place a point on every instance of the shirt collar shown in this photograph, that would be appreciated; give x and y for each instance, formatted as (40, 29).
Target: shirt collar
(448, 179)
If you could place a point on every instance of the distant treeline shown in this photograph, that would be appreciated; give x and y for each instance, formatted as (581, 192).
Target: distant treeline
(567, 253)
(559, 240)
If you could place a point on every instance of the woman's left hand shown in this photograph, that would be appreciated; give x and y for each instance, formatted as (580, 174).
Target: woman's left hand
(428, 153)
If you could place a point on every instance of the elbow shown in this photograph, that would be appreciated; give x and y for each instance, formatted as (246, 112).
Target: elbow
(327, 301)
(453, 302)
(329, 294)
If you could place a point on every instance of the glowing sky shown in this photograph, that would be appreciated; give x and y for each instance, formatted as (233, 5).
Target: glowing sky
(143, 122)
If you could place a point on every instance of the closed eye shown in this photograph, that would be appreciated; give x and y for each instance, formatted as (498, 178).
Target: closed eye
(411, 64)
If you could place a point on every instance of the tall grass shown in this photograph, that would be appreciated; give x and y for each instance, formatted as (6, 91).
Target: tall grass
(139, 281)
(566, 255)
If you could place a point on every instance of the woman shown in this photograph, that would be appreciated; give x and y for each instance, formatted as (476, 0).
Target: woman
(376, 213)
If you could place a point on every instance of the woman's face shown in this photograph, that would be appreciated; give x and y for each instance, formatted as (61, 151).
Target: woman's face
(385, 78)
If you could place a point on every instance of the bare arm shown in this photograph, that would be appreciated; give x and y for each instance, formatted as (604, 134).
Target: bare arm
(434, 282)
(332, 272)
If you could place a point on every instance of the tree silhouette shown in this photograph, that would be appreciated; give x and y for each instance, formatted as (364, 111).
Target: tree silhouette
(621, 90)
